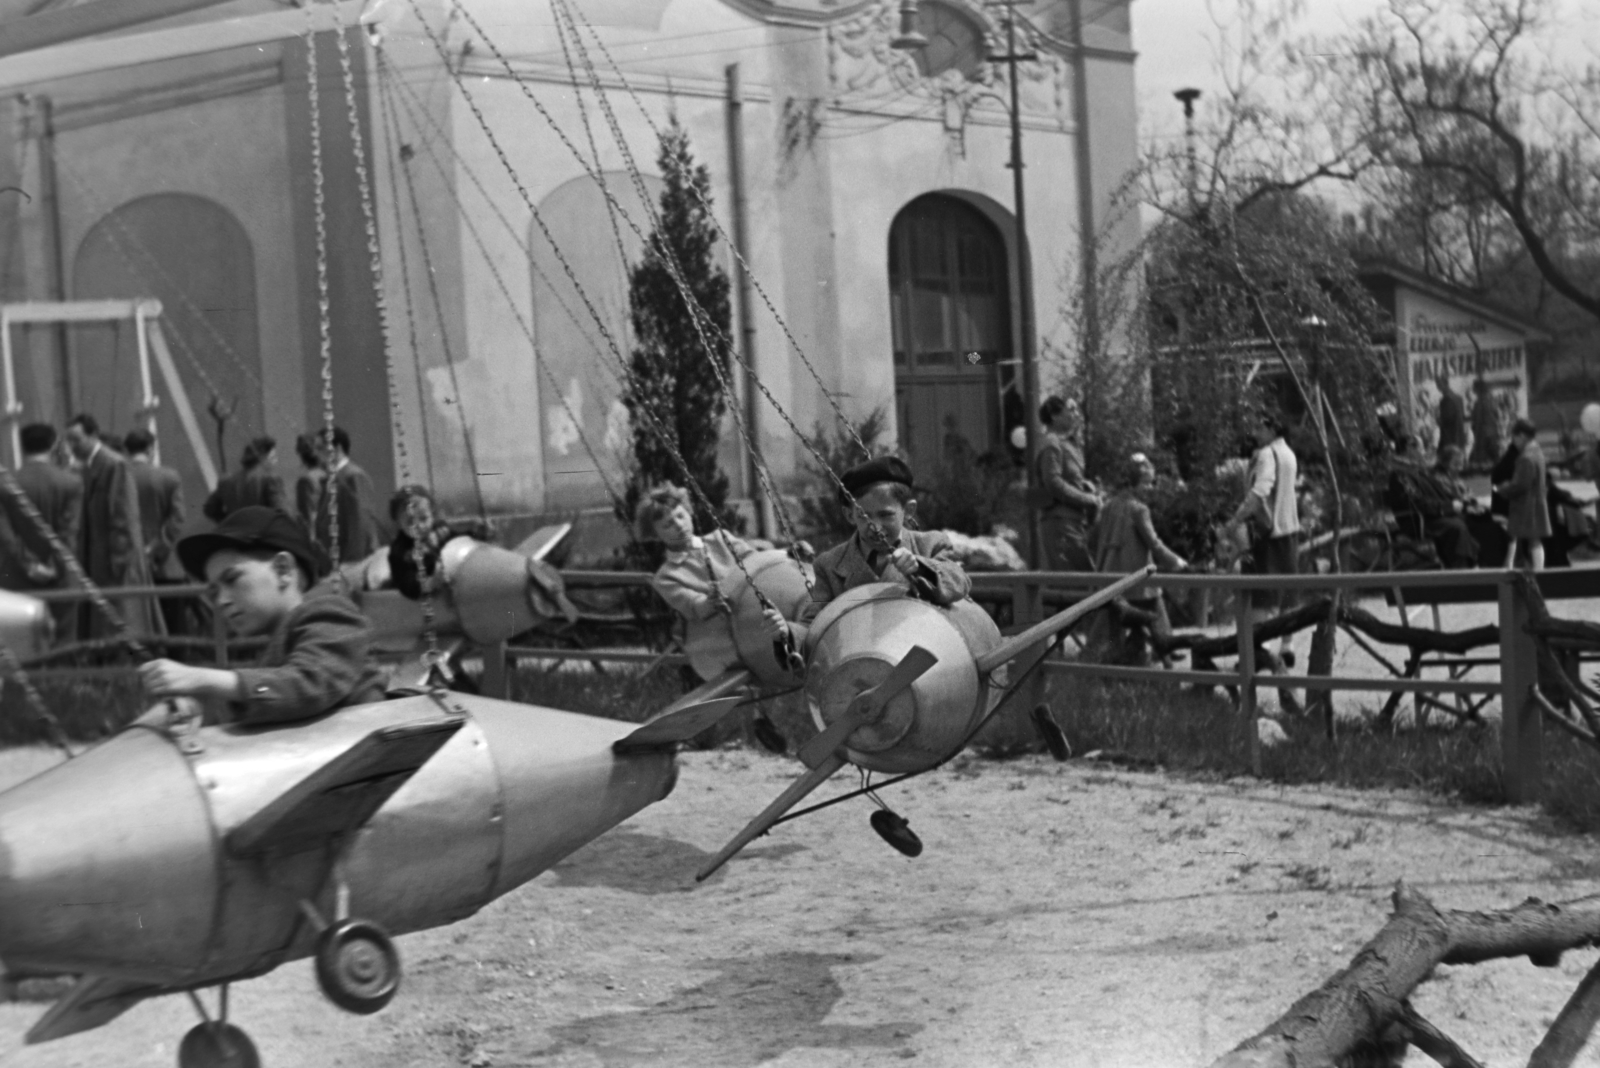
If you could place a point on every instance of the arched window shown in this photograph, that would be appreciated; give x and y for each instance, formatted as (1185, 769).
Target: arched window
(950, 307)
(195, 257)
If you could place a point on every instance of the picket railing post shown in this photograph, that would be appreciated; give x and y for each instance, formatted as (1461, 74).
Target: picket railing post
(1247, 676)
(1521, 729)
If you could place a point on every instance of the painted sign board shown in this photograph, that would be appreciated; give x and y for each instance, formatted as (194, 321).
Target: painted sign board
(1463, 375)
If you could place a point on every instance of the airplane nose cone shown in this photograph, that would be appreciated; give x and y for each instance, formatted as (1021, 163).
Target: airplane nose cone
(107, 863)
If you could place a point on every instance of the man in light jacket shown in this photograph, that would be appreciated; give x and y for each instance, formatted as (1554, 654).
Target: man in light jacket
(1270, 513)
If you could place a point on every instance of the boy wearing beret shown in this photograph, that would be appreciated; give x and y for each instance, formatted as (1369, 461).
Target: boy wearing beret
(882, 549)
(260, 566)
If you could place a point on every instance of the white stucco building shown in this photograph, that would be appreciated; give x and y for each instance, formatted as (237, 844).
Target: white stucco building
(172, 157)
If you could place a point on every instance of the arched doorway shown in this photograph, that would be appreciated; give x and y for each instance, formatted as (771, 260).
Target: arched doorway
(950, 309)
(195, 257)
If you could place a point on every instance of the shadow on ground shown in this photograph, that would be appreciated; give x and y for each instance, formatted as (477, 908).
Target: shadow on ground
(755, 1010)
(649, 864)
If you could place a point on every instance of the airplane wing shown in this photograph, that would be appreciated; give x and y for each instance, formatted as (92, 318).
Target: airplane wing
(343, 794)
(1017, 644)
(93, 1001)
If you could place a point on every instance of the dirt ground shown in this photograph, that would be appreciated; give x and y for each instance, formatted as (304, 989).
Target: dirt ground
(1062, 914)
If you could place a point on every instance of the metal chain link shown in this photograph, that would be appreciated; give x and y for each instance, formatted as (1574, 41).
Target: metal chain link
(405, 268)
(324, 304)
(369, 218)
(430, 630)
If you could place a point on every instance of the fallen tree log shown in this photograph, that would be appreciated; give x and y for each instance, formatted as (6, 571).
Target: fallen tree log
(1311, 613)
(1360, 1003)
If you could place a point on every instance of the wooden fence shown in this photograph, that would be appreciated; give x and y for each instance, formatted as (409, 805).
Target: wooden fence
(1031, 596)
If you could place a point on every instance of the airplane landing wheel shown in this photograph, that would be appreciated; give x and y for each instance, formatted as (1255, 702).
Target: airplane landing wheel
(358, 967)
(893, 828)
(217, 1045)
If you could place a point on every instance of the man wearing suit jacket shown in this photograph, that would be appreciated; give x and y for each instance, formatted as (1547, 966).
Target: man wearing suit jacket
(111, 535)
(26, 560)
(161, 516)
(255, 483)
(360, 530)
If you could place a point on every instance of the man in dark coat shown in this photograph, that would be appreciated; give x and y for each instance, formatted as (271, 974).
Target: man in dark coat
(27, 561)
(161, 514)
(256, 483)
(360, 529)
(308, 487)
(111, 535)
(1452, 415)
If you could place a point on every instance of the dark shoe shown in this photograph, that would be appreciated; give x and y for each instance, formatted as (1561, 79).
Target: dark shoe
(893, 828)
(1055, 739)
(770, 737)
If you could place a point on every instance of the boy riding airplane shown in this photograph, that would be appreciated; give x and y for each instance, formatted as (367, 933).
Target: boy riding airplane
(263, 570)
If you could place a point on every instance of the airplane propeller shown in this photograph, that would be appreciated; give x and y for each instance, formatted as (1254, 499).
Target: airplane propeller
(868, 705)
(821, 754)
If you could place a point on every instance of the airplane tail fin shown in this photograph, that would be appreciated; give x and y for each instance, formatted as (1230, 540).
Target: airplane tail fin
(93, 1001)
(677, 725)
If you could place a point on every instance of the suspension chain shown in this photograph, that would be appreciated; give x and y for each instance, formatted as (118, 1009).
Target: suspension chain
(662, 434)
(324, 305)
(695, 311)
(523, 325)
(405, 276)
(69, 560)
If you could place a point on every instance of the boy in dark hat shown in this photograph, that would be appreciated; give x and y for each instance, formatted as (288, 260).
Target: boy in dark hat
(261, 565)
(882, 549)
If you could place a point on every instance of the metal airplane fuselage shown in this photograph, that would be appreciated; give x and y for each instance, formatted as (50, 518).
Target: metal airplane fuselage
(26, 626)
(117, 863)
(854, 644)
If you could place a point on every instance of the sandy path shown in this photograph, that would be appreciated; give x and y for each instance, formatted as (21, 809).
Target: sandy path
(1061, 915)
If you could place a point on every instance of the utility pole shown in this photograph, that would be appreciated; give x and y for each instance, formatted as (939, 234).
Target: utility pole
(1025, 346)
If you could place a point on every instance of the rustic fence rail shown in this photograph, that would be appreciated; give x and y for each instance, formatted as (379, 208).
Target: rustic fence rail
(1030, 594)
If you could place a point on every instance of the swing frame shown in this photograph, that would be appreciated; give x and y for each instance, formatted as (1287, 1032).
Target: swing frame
(145, 313)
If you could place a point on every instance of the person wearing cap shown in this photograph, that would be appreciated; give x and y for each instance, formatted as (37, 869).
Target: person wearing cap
(882, 549)
(1123, 540)
(261, 567)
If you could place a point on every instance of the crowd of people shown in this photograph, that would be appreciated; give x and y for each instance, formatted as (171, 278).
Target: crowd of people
(121, 514)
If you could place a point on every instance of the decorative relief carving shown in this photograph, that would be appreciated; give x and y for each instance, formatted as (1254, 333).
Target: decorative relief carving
(861, 65)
